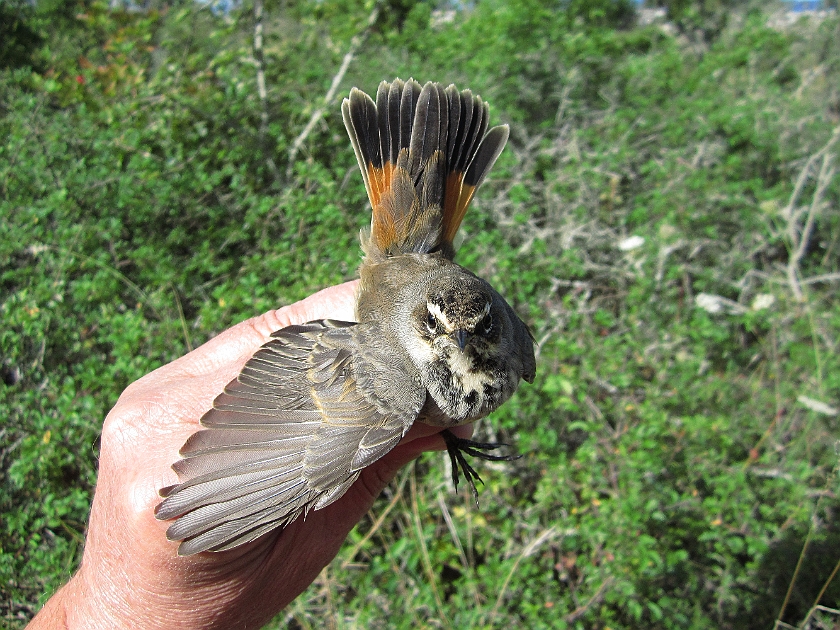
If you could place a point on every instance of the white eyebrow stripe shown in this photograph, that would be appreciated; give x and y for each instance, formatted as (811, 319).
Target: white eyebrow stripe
(434, 309)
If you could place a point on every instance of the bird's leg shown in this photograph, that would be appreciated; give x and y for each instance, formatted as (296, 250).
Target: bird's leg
(456, 447)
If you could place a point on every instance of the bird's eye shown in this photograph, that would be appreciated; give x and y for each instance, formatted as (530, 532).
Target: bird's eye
(486, 324)
(431, 322)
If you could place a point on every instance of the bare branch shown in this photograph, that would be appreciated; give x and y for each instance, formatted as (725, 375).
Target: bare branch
(799, 237)
(580, 611)
(261, 90)
(544, 536)
(826, 277)
(357, 41)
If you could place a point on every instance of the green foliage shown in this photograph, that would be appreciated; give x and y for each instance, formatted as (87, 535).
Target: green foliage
(17, 37)
(671, 470)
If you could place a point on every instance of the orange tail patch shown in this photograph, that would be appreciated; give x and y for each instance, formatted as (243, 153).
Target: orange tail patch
(423, 153)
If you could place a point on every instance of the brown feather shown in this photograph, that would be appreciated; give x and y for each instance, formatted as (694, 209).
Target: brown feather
(290, 434)
(423, 154)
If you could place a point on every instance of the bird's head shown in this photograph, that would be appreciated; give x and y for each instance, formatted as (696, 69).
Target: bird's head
(457, 314)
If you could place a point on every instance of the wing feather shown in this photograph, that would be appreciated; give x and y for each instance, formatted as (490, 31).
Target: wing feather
(289, 435)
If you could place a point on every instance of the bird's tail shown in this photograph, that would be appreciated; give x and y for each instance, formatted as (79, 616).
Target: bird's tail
(423, 153)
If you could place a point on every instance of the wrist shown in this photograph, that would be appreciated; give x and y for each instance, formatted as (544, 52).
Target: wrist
(73, 607)
(79, 604)
(116, 593)
(90, 602)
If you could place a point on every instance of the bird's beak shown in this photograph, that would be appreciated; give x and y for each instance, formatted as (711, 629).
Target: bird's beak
(461, 337)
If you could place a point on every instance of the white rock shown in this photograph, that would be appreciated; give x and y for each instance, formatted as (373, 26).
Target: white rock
(818, 406)
(631, 242)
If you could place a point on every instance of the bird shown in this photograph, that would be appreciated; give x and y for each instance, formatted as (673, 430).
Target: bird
(432, 342)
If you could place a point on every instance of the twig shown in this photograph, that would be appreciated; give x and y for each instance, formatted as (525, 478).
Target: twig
(580, 611)
(826, 277)
(424, 551)
(450, 525)
(330, 616)
(357, 41)
(348, 559)
(664, 252)
(799, 239)
(182, 319)
(545, 535)
(465, 562)
(259, 58)
(798, 568)
(823, 180)
(824, 588)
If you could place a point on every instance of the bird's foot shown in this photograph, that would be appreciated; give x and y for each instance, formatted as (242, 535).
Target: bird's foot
(457, 447)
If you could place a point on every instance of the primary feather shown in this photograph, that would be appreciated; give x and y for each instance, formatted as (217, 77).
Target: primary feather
(290, 434)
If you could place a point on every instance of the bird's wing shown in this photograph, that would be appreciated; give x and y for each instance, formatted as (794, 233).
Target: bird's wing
(290, 434)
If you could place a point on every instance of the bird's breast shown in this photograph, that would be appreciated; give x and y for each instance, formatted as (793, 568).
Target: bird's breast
(463, 388)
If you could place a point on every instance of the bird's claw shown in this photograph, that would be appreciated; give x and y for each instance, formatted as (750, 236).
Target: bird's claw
(456, 447)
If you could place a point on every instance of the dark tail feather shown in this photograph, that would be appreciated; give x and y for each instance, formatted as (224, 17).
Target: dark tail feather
(423, 153)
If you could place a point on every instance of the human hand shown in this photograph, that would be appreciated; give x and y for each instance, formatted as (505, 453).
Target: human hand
(131, 575)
